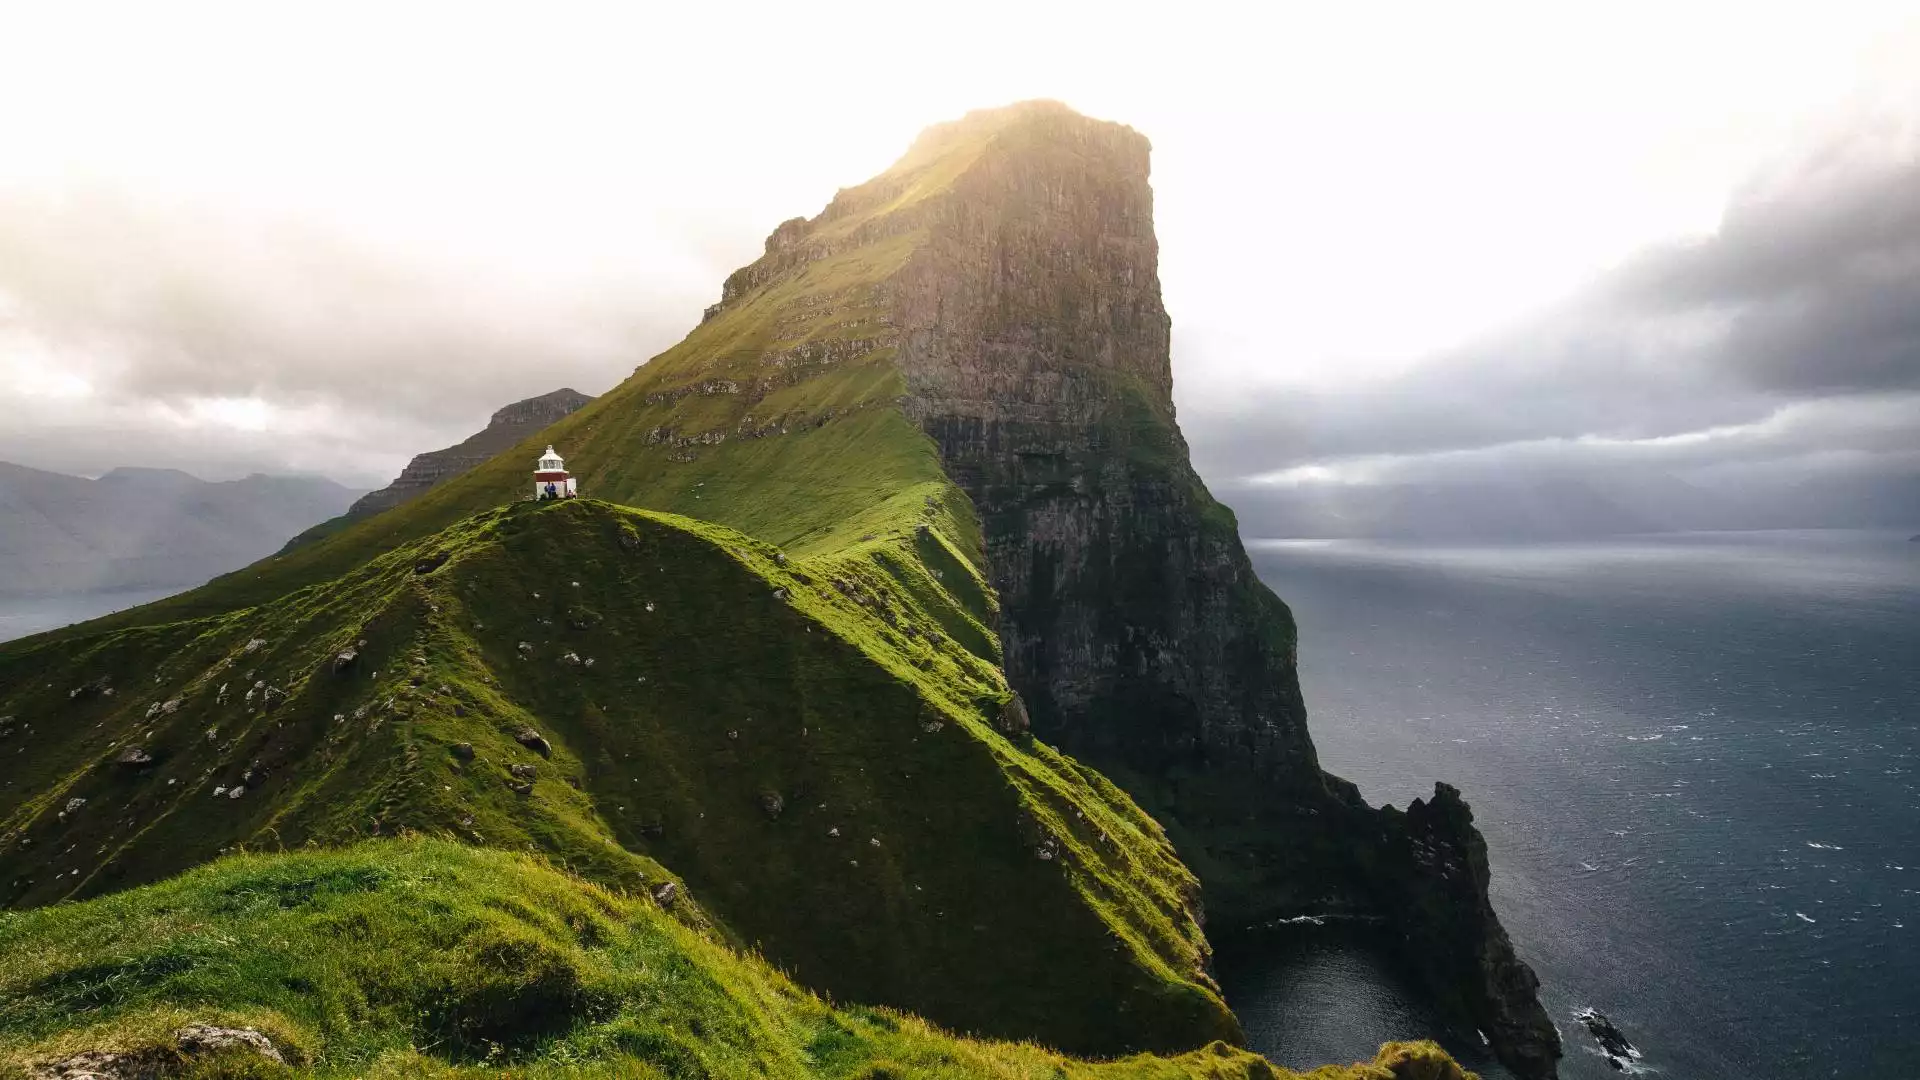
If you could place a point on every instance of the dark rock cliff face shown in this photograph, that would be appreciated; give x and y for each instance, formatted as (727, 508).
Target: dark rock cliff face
(1034, 347)
(507, 427)
(1036, 356)
(1448, 913)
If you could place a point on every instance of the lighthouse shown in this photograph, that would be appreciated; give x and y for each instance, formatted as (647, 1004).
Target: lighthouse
(551, 479)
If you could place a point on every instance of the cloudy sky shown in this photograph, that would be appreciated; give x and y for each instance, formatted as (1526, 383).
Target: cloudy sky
(1395, 240)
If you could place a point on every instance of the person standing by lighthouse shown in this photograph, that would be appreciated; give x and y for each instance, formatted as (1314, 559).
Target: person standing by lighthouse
(550, 478)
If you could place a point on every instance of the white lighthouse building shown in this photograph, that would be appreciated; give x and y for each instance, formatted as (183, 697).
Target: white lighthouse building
(551, 479)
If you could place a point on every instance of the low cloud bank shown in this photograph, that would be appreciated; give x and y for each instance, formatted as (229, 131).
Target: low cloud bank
(1766, 374)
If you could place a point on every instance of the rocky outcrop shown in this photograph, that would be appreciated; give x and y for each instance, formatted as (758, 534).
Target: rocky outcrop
(1437, 890)
(1034, 349)
(246, 1049)
(1614, 1046)
(506, 429)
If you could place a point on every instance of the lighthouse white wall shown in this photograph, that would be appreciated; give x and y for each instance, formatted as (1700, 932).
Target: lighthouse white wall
(552, 469)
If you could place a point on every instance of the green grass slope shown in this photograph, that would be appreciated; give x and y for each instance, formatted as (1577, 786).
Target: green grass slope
(428, 958)
(809, 746)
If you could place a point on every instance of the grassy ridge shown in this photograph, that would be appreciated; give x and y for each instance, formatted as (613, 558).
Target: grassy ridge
(425, 958)
(808, 744)
(776, 419)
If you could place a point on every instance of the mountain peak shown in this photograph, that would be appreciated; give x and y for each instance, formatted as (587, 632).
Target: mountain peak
(141, 474)
(1038, 115)
(544, 408)
(1038, 162)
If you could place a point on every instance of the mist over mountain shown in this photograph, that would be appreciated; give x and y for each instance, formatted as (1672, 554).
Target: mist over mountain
(139, 528)
(1763, 373)
(1546, 504)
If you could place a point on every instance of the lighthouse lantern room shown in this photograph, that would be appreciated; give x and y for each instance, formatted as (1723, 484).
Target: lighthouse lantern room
(551, 479)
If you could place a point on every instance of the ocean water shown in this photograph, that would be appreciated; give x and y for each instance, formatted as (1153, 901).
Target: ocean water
(1696, 761)
(20, 617)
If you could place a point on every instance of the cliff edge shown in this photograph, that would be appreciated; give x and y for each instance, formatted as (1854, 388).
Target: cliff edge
(1034, 349)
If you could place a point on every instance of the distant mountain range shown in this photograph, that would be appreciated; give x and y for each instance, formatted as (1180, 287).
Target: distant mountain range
(146, 528)
(1541, 506)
